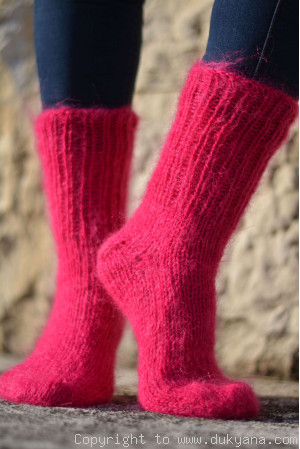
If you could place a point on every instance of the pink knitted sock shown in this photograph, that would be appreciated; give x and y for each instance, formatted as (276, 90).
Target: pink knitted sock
(160, 268)
(86, 156)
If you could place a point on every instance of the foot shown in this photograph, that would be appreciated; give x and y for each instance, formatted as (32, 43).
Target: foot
(73, 362)
(160, 268)
(170, 301)
(85, 156)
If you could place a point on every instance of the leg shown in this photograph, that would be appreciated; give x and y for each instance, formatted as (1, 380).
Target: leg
(259, 38)
(161, 266)
(85, 153)
(87, 51)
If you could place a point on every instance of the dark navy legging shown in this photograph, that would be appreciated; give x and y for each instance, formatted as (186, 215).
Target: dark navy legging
(261, 36)
(88, 51)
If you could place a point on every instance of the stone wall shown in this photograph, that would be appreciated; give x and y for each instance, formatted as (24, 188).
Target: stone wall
(257, 285)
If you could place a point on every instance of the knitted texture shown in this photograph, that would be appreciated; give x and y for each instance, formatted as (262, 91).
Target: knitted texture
(86, 156)
(160, 268)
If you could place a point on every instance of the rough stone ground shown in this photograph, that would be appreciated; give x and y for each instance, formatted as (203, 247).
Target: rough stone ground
(27, 427)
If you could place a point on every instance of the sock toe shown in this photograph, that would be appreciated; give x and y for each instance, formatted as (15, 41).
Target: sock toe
(235, 400)
(24, 386)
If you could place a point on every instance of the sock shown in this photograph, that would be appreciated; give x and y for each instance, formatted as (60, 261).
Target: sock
(86, 156)
(160, 268)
